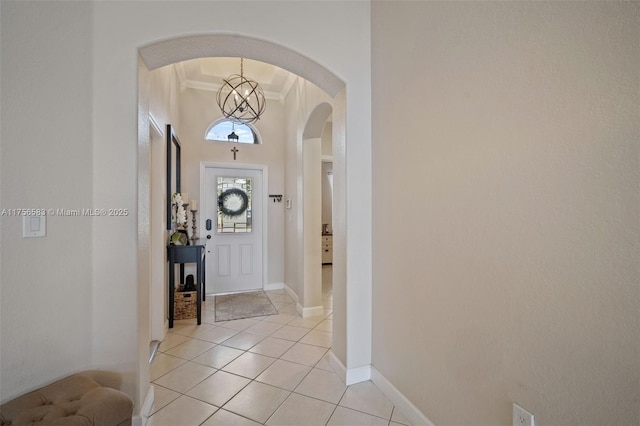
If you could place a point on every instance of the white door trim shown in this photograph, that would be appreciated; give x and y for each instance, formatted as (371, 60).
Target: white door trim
(202, 232)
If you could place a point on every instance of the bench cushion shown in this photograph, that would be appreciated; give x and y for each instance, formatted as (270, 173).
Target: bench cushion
(75, 400)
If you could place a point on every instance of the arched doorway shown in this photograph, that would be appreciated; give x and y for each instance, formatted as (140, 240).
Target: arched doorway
(176, 50)
(311, 212)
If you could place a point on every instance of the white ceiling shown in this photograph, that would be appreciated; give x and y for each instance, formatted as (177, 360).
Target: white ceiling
(208, 73)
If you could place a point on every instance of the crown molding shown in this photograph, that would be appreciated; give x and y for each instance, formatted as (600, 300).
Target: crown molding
(185, 83)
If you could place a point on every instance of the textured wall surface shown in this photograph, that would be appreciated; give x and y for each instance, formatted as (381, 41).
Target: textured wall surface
(45, 291)
(506, 215)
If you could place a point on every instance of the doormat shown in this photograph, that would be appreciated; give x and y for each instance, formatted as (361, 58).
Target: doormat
(243, 305)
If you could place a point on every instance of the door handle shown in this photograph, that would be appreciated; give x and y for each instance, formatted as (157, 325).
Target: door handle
(208, 237)
(208, 223)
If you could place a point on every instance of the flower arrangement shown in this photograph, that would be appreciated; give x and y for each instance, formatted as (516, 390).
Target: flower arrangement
(181, 214)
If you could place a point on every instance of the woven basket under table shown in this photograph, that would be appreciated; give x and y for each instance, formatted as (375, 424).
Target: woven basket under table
(184, 305)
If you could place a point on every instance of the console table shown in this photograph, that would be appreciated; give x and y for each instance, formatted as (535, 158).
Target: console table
(187, 254)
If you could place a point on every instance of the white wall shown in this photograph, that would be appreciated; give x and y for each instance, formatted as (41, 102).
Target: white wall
(327, 148)
(506, 251)
(327, 180)
(46, 283)
(87, 98)
(299, 104)
(164, 109)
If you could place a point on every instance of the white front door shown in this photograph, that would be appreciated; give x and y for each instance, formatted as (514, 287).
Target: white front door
(233, 211)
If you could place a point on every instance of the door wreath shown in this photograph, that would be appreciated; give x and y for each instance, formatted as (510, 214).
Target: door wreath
(233, 202)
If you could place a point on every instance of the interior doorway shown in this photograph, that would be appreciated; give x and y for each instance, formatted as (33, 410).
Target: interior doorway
(233, 221)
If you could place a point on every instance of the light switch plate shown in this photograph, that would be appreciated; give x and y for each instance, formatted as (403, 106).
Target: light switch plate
(34, 226)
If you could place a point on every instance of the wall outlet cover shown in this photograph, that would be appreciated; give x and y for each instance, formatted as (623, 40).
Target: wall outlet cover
(522, 417)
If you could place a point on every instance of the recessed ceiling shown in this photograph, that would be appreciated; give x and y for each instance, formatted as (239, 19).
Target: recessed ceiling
(208, 74)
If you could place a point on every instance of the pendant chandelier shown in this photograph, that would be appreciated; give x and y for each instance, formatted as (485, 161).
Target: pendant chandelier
(241, 99)
(232, 137)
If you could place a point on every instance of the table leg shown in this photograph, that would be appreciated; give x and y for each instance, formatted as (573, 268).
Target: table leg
(171, 291)
(204, 277)
(199, 285)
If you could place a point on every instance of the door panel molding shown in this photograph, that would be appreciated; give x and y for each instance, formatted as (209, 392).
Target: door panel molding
(224, 259)
(246, 258)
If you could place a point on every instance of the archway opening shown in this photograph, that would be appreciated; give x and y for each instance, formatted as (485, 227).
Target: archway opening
(172, 51)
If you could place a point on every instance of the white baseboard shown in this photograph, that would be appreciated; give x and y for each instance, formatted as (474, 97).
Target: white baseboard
(415, 416)
(292, 294)
(338, 366)
(358, 374)
(145, 410)
(349, 376)
(273, 286)
(312, 311)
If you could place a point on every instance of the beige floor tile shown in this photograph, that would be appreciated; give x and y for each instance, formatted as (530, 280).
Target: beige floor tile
(272, 347)
(257, 401)
(346, 417)
(290, 309)
(366, 397)
(172, 340)
(323, 364)
(184, 411)
(218, 334)
(185, 377)
(190, 349)
(318, 338)
(282, 307)
(218, 388)
(241, 324)
(281, 299)
(325, 325)
(322, 384)
(288, 332)
(162, 397)
(243, 340)
(300, 410)
(164, 363)
(209, 317)
(398, 418)
(284, 374)
(227, 418)
(304, 354)
(264, 328)
(218, 356)
(249, 365)
(309, 322)
(280, 318)
(209, 304)
(191, 329)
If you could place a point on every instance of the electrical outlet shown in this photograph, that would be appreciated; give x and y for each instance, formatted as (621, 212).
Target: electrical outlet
(522, 417)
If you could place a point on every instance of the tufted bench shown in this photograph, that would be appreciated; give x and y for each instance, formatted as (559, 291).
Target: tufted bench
(74, 400)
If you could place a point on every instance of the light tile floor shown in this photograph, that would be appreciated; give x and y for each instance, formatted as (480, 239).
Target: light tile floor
(271, 370)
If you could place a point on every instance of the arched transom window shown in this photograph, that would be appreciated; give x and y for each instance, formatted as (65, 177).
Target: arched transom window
(226, 131)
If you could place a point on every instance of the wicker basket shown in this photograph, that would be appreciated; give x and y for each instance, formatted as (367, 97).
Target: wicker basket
(184, 305)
